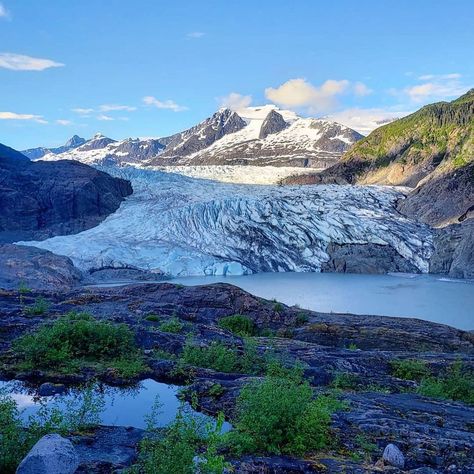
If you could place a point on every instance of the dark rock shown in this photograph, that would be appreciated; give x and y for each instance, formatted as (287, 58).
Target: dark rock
(48, 389)
(454, 250)
(273, 123)
(52, 454)
(108, 449)
(42, 199)
(36, 268)
(393, 456)
(365, 258)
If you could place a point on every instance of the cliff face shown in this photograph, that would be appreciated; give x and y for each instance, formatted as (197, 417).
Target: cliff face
(42, 199)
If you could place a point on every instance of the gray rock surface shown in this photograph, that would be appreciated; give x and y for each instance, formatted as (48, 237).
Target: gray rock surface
(52, 454)
(393, 456)
(48, 389)
(454, 250)
(273, 123)
(36, 268)
(42, 199)
(365, 258)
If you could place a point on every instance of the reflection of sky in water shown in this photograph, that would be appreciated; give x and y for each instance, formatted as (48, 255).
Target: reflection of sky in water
(125, 407)
(429, 297)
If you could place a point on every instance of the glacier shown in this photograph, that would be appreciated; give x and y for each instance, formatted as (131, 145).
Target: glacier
(185, 226)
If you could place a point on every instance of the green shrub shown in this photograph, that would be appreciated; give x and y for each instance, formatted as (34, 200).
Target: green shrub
(216, 390)
(238, 324)
(173, 325)
(76, 340)
(279, 415)
(454, 384)
(409, 369)
(301, 319)
(277, 306)
(40, 306)
(345, 381)
(183, 443)
(224, 358)
(152, 317)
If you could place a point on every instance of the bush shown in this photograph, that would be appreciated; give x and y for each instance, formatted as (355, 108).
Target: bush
(152, 317)
(224, 358)
(238, 324)
(454, 384)
(345, 381)
(279, 415)
(183, 444)
(173, 325)
(409, 369)
(75, 340)
(40, 306)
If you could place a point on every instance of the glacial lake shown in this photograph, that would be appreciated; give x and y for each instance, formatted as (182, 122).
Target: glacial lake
(122, 406)
(430, 297)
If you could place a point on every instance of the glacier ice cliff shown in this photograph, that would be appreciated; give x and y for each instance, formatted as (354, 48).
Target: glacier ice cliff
(186, 226)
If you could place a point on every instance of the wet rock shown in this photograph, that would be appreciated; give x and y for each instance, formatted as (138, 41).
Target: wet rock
(48, 389)
(52, 454)
(36, 268)
(393, 456)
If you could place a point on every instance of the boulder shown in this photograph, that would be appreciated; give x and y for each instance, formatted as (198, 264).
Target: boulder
(48, 389)
(393, 456)
(52, 454)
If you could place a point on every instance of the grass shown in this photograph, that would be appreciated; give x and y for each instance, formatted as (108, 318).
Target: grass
(78, 340)
(238, 324)
(154, 318)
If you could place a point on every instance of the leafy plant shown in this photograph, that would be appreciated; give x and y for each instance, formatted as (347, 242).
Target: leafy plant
(238, 324)
(409, 369)
(40, 306)
(152, 317)
(344, 381)
(173, 325)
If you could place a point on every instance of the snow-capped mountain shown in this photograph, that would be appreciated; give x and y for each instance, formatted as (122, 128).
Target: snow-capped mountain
(258, 136)
(186, 226)
(37, 153)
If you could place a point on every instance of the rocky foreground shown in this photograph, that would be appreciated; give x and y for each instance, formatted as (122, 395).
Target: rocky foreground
(382, 408)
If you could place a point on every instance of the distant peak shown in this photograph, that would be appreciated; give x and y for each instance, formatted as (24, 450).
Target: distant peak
(98, 135)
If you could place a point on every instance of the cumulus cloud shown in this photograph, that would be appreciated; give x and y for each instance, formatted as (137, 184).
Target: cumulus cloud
(435, 87)
(235, 101)
(166, 104)
(15, 116)
(116, 107)
(20, 62)
(361, 90)
(299, 93)
(366, 120)
(195, 35)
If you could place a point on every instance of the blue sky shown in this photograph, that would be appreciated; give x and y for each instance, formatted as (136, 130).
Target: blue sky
(151, 68)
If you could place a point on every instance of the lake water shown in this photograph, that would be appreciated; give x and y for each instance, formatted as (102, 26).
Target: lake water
(430, 297)
(122, 406)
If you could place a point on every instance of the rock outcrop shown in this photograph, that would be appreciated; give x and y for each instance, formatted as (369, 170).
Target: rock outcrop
(42, 199)
(35, 268)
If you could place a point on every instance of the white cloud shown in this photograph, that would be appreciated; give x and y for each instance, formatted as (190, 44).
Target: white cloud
(20, 62)
(115, 107)
(63, 122)
(235, 101)
(105, 118)
(366, 120)
(361, 90)
(4, 13)
(299, 93)
(435, 87)
(167, 104)
(195, 34)
(82, 111)
(15, 116)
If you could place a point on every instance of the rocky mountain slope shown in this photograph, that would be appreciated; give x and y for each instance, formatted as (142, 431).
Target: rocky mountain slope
(255, 136)
(431, 150)
(185, 226)
(38, 153)
(41, 199)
